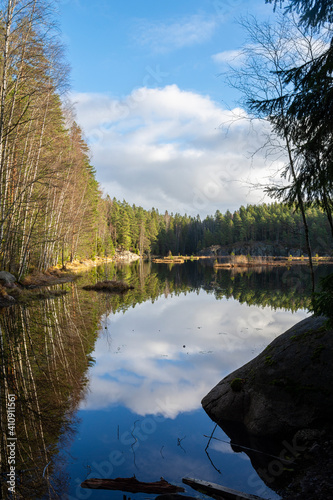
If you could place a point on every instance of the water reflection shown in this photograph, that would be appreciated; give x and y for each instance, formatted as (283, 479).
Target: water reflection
(183, 329)
(280, 287)
(45, 353)
(164, 357)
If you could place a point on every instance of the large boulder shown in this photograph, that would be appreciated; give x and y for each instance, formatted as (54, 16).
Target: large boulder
(7, 279)
(125, 256)
(285, 388)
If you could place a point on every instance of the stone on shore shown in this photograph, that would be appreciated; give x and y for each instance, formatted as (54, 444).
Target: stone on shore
(278, 410)
(285, 388)
(125, 256)
(7, 279)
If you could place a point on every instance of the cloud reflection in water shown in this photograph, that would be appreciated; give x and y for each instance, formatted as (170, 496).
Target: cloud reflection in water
(163, 357)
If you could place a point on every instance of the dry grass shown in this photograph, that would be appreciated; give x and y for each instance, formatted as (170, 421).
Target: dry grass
(53, 276)
(25, 296)
(3, 292)
(249, 261)
(168, 260)
(79, 265)
(32, 288)
(178, 259)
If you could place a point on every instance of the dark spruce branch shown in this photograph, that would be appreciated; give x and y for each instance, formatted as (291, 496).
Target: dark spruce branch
(313, 13)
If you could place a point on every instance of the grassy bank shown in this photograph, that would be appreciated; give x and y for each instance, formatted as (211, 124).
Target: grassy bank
(250, 261)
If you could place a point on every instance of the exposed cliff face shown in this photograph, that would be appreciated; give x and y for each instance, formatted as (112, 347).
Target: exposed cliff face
(125, 256)
(281, 403)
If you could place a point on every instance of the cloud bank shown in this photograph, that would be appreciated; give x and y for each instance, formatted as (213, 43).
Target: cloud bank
(174, 150)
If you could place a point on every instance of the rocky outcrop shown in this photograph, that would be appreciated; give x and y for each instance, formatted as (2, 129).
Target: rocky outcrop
(7, 279)
(125, 256)
(286, 388)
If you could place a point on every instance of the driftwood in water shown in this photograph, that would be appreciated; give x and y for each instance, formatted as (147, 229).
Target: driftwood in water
(109, 286)
(132, 485)
(216, 490)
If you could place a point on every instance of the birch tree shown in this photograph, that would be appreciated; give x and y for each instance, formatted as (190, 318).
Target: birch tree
(49, 196)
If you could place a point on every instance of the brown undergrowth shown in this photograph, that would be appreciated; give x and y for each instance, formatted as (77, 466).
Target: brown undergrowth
(3, 292)
(52, 276)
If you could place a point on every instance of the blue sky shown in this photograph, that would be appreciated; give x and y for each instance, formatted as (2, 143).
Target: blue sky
(149, 94)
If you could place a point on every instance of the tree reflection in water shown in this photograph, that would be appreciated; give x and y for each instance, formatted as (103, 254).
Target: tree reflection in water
(46, 348)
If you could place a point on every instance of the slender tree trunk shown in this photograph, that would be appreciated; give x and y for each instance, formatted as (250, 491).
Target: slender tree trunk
(327, 209)
(302, 208)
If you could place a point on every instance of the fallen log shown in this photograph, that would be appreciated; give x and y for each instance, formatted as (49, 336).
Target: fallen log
(216, 490)
(132, 485)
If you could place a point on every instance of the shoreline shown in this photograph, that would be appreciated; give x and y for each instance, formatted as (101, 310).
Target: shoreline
(31, 287)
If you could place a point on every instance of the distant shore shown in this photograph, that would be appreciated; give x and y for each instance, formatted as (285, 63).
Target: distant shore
(249, 261)
(244, 260)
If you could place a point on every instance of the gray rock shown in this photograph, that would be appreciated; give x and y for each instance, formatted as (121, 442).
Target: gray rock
(6, 278)
(125, 256)
(285, 388)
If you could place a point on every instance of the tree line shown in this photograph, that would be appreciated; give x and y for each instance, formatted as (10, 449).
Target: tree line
(46, 353)
(277, 224)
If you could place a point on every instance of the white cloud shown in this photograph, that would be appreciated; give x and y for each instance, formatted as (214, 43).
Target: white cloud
(234, 57)
(168, 36)
(172, 149)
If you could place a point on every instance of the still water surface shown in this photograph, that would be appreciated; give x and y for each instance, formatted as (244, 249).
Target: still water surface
(111, 386)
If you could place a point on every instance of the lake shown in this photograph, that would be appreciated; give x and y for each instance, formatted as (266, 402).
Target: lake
(111, 385)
